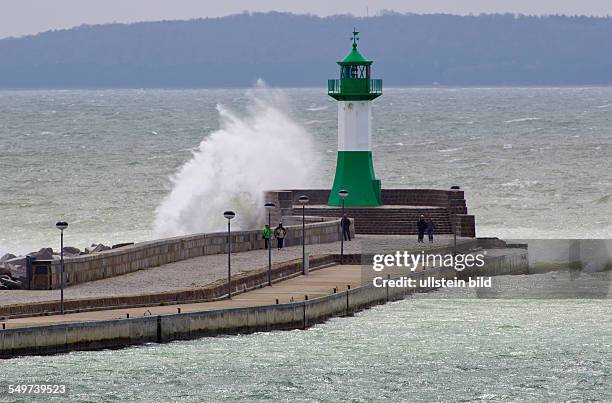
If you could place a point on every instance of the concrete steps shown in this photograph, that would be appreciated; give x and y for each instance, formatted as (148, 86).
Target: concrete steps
(396, 220)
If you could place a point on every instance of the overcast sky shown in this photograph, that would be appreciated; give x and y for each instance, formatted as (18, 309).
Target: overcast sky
(22, 17)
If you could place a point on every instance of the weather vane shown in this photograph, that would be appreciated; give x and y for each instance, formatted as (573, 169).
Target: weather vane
(355, 38)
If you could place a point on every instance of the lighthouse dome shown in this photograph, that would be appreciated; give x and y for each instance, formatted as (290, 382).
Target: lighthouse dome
(354, 57)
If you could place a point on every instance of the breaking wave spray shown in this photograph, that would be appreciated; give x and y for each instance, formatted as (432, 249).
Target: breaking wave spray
(264, 149)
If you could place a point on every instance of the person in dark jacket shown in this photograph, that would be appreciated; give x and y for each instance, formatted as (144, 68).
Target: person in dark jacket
(345, 224)
(430, 229)
(421, 227)
(279, 233)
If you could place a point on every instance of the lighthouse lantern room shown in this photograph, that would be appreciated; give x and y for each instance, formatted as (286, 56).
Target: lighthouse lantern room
(354, 91)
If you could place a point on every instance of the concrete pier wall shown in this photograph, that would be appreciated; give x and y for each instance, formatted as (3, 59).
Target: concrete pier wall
(296, 315)
(240, 282)
(145, 255)
(452, 201)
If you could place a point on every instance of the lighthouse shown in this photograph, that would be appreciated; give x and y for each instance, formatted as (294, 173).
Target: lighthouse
(355, 90)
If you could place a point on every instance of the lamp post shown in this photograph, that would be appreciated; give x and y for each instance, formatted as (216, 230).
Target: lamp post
(229, 215)
(61, 225)
(303, 199)
(343, 194)
(269, 206)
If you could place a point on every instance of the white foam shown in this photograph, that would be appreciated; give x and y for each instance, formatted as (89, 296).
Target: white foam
(521, 120)
(261, 150)
(317, 108)
(449, 150)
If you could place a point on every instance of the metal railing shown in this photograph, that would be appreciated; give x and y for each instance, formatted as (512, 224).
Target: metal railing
(334, 86)
(376, 86)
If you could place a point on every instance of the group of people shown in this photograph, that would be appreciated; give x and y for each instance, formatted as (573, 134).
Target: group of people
(279, 233)
(424, 225)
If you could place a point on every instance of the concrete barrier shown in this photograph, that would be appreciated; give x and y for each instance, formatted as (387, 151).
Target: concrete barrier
(149, 254)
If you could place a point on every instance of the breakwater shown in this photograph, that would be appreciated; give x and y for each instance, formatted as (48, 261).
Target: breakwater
(150, 254)
(241, 282)
(115, 333)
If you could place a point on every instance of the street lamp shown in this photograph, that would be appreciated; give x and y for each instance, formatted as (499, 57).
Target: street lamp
(343, 194)
(61, 225)
(269, 206)
(229, 215)
(303, 199)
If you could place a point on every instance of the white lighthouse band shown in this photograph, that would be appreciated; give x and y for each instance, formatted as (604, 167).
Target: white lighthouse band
(354, 126)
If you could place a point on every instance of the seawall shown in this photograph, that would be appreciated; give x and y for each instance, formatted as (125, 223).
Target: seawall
(63, 338)
(150, 254)
(241, 282)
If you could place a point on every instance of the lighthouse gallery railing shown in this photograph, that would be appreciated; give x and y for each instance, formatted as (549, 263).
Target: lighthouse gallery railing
(334, 86)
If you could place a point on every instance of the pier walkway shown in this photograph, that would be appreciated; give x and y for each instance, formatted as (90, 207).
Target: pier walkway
(204, 270)
(316, 284)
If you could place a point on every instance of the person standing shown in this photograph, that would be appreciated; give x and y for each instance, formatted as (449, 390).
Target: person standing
(421, 227)
(430, 229)
(266, 233)
(345, 224)
(279, 233)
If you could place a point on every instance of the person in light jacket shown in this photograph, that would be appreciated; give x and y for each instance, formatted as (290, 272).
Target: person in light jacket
(279, 233)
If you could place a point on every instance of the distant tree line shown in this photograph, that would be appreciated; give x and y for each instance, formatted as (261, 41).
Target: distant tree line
(300, 50)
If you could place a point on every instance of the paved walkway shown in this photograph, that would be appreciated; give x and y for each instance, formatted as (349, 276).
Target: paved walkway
(316, 284)
(200, 271)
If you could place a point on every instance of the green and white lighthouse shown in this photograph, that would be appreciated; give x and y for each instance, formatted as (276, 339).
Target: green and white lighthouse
(354, 91)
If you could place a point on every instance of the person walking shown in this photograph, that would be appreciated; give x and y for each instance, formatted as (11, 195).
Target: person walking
(266, 233)
(421, 227)
(279, 233)
(430, 229)
(345, 224)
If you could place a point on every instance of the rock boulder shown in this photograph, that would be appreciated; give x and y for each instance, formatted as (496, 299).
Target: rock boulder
(16, 262)
(94, 248)
(44, 254)
(6, 257)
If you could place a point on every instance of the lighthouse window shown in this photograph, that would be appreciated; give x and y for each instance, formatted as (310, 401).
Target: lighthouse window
(345, 72)
(355, 72)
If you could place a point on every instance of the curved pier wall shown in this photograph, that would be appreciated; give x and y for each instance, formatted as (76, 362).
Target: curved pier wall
(149, 254)
(297, 315)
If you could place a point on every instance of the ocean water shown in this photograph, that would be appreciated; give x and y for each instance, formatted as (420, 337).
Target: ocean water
(534, 162)
(440, 346)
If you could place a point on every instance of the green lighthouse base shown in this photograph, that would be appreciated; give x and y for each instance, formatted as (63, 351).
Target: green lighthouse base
(355, 173)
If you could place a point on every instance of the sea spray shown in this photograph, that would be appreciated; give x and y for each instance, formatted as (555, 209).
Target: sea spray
(261, 150)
